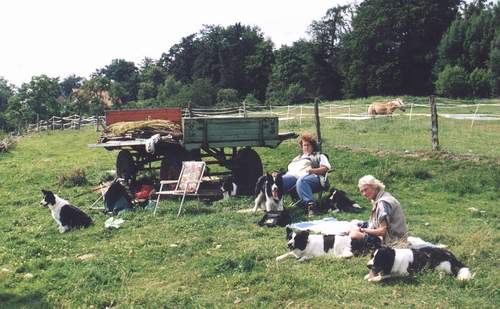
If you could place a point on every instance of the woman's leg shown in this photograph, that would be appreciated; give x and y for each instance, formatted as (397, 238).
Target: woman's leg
(306, 185)
(289, 182)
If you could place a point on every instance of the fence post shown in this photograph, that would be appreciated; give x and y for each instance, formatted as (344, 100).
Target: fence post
(300, 117)
(37, 122)
(475, 115)
(97, 122)
(316, 115)
(411, 110)
(434, 123)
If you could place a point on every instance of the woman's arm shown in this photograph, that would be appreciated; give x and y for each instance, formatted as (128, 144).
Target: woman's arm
(380, 231)
(318, 171)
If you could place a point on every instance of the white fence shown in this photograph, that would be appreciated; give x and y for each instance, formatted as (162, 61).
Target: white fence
(63, 123)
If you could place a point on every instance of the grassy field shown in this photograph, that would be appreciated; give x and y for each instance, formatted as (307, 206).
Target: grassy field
(214, 256)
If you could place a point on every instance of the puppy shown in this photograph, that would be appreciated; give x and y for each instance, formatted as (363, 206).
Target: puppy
(304, 246)
(339, 201)
(388, 262)
(269, 192)
(66, 215)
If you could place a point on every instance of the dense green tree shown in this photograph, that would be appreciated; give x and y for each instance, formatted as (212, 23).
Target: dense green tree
(180, 59)
(151, 77)
(300, 72)
(494, 63)
(6, 92)
(236, 57)
(70, 83)
(39, 97)
(391, 48)
(452, 82)
(124, 79)
(327, 34)
(480, 83)
(203, 92)
(228, 97)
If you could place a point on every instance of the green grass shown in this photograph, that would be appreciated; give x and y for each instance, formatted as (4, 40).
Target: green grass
(214, 256)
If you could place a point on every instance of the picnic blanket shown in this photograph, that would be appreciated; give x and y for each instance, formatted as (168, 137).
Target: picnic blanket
(326, 226)
(332, 226)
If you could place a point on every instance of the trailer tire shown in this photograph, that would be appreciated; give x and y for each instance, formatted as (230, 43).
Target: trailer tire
(248, 168)
(170, 167)
(125, 166)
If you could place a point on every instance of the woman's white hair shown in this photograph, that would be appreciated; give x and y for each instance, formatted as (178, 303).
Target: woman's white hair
(371, 181)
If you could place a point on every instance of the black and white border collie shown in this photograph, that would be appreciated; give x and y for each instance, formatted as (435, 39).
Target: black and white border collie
(269, 192)
(339, 201)
(304, 246)
(388, 262)
(229, 188)
(66, 215)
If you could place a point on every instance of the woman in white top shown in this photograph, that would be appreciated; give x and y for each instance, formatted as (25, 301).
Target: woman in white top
(307, 171)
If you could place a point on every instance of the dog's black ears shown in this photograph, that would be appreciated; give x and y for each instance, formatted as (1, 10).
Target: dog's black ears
(44, 192)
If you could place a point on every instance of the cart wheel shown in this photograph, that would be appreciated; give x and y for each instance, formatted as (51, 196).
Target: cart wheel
(248, 168)
(170, 167)
(125, 166)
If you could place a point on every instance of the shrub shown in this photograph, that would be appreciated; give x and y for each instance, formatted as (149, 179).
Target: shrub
(73, 178)
(452, 82)
(227, 97)
(479, 81)
(295, 93)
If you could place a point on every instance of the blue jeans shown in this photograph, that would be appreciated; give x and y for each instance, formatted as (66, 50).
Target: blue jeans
(305, 185)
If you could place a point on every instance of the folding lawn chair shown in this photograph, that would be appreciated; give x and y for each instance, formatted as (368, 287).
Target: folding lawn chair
(187, 184)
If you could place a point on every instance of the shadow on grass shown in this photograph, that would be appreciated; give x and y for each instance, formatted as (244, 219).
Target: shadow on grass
(400, 280)
(33, 300)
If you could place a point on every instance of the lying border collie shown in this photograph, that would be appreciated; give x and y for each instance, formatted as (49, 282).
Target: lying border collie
(269, 192)
(388, 262)
(304, 246)
(66, 215)
(338, 200)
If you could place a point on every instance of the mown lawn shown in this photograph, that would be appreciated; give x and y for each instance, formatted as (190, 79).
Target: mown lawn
(214, 256)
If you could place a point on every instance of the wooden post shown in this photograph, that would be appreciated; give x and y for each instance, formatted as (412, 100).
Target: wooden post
(434, 123)
(475, 115)
(244, 109)
(37, 122)
(300, 117)
(190, 110)
(97, 122)
(316, 115)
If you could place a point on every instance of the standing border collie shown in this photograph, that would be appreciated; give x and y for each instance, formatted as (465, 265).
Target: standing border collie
(66, 215)
(304, 246)
(388, 262)
(269, 192)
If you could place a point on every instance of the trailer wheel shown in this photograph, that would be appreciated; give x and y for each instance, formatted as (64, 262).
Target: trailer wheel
(170, 167)
(125, 166)
(248, 168)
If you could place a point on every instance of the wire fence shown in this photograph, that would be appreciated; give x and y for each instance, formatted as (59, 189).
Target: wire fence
(467, 129)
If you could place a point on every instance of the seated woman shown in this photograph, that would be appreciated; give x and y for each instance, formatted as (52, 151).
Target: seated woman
(387, 220)
(307, 172)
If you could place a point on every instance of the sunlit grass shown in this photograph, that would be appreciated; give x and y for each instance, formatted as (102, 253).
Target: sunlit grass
(213, 256)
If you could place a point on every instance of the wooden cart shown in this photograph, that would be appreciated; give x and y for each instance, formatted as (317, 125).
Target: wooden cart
(226, 140)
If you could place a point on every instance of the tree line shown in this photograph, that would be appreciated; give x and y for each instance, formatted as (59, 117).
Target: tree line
(378, 47)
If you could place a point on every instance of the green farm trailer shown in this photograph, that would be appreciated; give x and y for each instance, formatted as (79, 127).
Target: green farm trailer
(225, 141)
